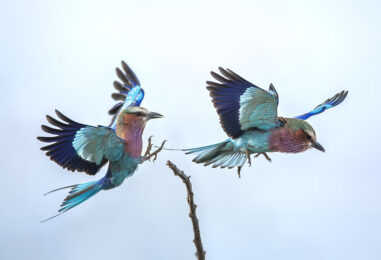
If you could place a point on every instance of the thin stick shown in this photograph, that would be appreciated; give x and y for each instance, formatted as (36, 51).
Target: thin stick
(200, 254)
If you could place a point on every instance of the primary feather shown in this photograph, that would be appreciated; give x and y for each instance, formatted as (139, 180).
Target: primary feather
(62, 150)
(130, 91)
(329, 103)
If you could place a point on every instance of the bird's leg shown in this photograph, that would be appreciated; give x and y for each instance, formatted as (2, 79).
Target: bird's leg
(148, 155)
(248, 157)
(249, 161)
(265, 155)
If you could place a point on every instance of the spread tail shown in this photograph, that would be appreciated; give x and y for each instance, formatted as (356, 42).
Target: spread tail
(78, 194)
(218, 154)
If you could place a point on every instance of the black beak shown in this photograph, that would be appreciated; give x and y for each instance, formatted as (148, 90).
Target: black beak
(317, 146)
(153, 115)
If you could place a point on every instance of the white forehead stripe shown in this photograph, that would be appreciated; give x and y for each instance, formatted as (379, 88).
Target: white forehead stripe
(139, 109)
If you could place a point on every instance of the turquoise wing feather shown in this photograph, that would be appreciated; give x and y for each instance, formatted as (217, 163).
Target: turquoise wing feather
(258, 108)
(95, 143)
(242, 105)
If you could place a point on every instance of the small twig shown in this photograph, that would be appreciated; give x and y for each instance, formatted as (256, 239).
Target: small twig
(192, 214)
(148, 155)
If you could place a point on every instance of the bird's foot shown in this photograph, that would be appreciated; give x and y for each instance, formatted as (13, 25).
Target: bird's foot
(265, 155)
(148, 155)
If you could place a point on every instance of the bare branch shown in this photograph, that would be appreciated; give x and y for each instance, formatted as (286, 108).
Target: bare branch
(148, 155)
(200, 254)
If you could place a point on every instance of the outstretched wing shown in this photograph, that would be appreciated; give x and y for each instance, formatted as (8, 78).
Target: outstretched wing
(79, 147)
(129, 92)
(241, 105)
(329, 103)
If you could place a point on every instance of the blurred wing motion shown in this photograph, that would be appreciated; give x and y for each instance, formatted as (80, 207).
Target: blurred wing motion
(79, 147)
(329, 103)
(130, 92)
(241, 105)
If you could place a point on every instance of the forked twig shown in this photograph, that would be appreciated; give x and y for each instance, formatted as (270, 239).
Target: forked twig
(200, 254)
(148, 155)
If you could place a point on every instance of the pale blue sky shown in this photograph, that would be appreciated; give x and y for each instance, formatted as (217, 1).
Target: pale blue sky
(62, 54)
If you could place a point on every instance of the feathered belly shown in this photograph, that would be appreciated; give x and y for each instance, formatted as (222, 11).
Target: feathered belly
(122, 169)
(254, 141)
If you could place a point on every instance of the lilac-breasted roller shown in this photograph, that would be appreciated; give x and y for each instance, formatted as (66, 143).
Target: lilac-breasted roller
(248, 114)
(85, 148)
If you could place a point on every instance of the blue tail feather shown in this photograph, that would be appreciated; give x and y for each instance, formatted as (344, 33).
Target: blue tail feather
(78, 194)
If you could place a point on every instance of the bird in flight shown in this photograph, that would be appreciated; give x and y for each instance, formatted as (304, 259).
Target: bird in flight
(84, 148)
(248, 115)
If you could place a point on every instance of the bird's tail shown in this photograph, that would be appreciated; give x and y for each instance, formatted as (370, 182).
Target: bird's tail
(78, 194)
(220, 155)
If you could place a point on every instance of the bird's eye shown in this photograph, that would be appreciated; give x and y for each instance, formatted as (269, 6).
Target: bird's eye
(139, 113)
(308, 137)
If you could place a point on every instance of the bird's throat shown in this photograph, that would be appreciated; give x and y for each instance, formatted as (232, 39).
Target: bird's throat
(132, 133)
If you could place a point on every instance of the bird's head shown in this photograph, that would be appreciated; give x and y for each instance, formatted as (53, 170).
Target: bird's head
(308, 131)
(137, 115)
